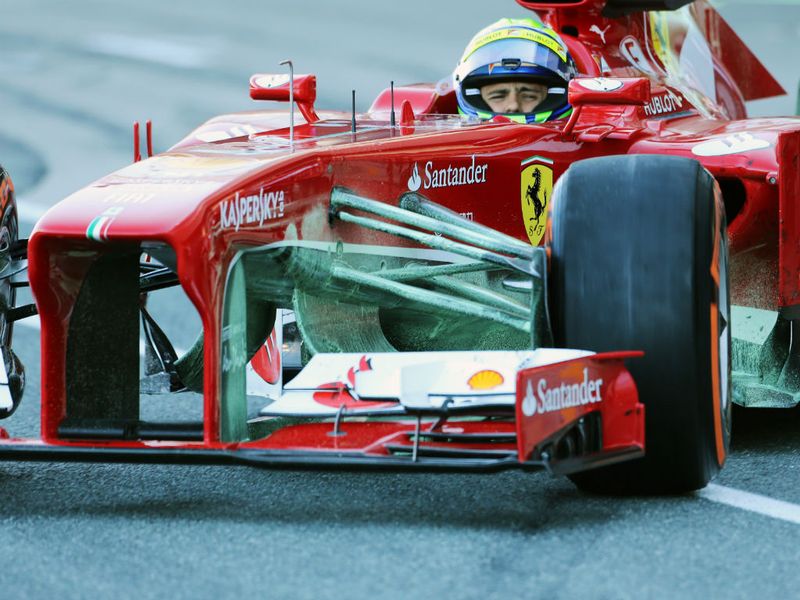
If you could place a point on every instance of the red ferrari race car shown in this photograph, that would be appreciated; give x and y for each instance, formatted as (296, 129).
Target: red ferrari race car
(408, 288)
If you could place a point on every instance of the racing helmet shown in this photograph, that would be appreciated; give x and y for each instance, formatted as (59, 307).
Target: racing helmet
(518, 50)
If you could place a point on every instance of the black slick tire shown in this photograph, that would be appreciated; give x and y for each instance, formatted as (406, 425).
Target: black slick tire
(639, 262)
(9, 234)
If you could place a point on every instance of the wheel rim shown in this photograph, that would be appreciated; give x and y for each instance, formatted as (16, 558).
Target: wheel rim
(723, 303)
(7, 292)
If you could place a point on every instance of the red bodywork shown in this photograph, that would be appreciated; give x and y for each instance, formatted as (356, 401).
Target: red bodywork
(600, 378)
(238, 182)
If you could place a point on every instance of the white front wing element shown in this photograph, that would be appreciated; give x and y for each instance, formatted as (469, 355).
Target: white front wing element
(397, 383)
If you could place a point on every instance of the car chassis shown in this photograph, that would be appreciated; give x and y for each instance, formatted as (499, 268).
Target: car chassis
(430, 340)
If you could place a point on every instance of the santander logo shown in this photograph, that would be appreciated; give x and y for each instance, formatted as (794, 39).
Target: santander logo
(449, 176)
(565, 395)
(415, 180)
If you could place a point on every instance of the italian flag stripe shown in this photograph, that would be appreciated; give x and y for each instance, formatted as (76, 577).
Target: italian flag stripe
(95, 229)
(539, 159)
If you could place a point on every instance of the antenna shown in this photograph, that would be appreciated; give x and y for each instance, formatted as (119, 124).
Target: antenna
(291, 100)
(149, 129)
(137, 155)
(353, 121)
(392, 121)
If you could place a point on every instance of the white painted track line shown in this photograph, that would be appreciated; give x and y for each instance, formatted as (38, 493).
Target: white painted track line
(763, 505)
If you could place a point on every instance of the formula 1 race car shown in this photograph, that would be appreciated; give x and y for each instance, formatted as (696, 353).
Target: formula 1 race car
(409, 288)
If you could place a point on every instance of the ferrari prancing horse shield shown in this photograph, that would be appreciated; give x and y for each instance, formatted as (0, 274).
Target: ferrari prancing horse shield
(537, 188)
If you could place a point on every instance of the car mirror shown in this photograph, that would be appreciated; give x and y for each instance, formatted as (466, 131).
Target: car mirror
(268, 86)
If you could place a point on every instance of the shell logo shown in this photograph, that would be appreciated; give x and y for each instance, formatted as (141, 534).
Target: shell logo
(485, 380)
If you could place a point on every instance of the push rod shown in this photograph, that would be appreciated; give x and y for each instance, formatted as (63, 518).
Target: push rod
(433, 299)
(340, 198)
(441, 243)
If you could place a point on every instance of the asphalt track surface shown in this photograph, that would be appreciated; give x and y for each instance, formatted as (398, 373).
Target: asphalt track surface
(74, 76)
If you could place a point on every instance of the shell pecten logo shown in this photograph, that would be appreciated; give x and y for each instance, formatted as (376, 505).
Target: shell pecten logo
(485, 380)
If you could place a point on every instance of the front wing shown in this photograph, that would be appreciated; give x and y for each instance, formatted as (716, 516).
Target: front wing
(570, 415)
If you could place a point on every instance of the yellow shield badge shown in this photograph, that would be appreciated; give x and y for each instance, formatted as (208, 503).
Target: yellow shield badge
(537, 188)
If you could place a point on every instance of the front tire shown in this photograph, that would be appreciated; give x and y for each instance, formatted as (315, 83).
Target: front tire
(9, 234)
(639, 262)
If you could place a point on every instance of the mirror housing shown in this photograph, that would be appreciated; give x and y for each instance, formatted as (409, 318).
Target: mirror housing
(610, 8)
(604, 91)
(271, 86)
(632, 91)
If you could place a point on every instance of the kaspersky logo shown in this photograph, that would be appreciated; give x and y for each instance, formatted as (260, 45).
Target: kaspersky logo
(450, 176)
(566, 395)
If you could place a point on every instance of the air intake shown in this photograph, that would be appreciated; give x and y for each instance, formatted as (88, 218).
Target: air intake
(611, 8)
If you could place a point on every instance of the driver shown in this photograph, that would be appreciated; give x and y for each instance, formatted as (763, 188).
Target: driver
(517, 68)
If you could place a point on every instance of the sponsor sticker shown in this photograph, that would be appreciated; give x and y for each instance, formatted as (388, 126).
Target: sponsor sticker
(216, 135)
(266, 363)
(271, 81)
(660, 105)
(524, 34)
(600, 84)
(630, 48)
(485, 380)
(535, 191)
(6, 188)
(182, 169)
(733, 144)
(184, 163)
(600, 32)
(415, 181)
(341, 393)
(247, 210)
(450, 176)
(660, 39)
(542, 398)
(98, 228)
(130, 197)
